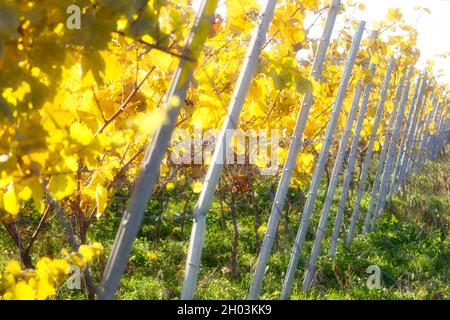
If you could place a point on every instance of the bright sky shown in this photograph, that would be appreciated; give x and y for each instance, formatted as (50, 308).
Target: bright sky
(433, 29)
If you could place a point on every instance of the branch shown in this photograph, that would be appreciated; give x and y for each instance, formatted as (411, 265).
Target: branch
(124, 104)
(157, 47)
(98, 105)
(121, 170)
(38, 229)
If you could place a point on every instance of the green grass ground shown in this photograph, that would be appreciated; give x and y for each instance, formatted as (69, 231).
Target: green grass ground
(411, 245)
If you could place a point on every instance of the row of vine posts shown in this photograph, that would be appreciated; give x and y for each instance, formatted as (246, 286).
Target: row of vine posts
(407, 144)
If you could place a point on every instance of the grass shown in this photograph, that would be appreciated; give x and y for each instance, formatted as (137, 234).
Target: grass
(411, 245)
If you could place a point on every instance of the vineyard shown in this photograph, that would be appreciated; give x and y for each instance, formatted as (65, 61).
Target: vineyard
(220, 149)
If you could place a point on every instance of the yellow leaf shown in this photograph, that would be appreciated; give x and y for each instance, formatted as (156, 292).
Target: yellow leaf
(237, 11)
(10, 201)
(170, 186)
(13, 267)
(24, 291)
(90, 160)
(203, 118)
(35, 71)
(262, 230)
(376, 146)
(160, 59)
(255, 109)
(70, 163)
(375, 59)
(24, 193)
(164, 167)
(60, 117)
(147, 38)
(39, 157)
(432, 128)
(318, 146)
(86, 252)
(367, 76)
(145, 123)
(97, 247)
(113, 68)
(59, 267)
(101, 197)
(81, 133)
(96, 179)
(261, 161)
(305, 162)
(196, 186)
(37, 193)
(58, 28)
(122, 23)
(152, 256)
(45, 289)
(394, 14)
(61, 185)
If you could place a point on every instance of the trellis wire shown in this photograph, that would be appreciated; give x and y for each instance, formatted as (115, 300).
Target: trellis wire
(389, 160)
(318, 171)
(350, 164)
(369, 152)
(290, 162)
(150, 166)
(217, 160)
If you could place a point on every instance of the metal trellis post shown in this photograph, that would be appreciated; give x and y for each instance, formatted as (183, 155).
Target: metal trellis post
(414, 152)
(342, 149)
(425, 136)
(389, 161)
(400, 153)
(320, 166)
(350, 165)
(406, 155)
(150, 165)
(384, 151)
(369, 152)
(290, 162)
(217, 160)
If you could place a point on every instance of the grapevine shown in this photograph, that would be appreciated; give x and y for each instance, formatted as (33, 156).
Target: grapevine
(80, 106)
